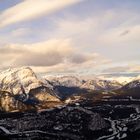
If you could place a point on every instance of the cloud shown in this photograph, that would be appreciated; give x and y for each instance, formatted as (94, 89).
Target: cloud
(30, 9)
(123, 69)
(121, 36)
(88, 67)
(107, 29)
(112, 33)
(44, 54)
(75, 26)
(116, 69)
(125, 33)
(135, 68)
(80, 58)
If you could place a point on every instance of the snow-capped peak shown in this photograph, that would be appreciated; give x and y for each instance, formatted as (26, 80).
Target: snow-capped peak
(18, 79)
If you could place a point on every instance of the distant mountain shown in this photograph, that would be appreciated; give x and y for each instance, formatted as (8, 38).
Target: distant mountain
(100, 85)
(131, 89)
(66, 86)
(67, 81)
(20, 87)
(135, 83)
(120, 79)
(69, 85)
(132, 85)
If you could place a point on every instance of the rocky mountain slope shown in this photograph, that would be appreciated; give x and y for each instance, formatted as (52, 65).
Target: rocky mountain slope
(20, 88)
(135, 83)
(131, 89)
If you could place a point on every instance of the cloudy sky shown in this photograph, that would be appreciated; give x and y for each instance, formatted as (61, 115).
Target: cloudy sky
(70, 36)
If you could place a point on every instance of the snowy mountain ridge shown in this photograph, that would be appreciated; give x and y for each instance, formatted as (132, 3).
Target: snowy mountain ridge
(93, 84)
(19, 80)
(135, 83)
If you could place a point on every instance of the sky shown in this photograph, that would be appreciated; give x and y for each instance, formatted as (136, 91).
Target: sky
(70, 36)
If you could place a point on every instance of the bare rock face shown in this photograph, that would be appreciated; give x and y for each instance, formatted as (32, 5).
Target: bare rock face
(20, 88)
(9, 103)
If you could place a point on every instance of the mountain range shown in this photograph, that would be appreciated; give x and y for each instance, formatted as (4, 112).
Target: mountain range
(21, 89)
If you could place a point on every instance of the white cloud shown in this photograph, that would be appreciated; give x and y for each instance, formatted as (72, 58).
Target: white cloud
(106, 29)
(114, 34)
(123, 69)
(30, 9)
(52, 54)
